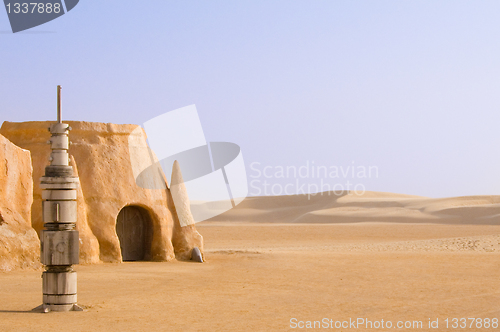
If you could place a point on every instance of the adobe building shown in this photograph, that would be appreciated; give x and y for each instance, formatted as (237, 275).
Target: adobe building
(117, 219)
(19, 244)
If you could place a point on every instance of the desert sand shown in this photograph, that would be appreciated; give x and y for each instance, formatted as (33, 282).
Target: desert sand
(271, 260)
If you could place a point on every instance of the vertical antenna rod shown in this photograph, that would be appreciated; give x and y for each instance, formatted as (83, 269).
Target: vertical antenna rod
(59, 114)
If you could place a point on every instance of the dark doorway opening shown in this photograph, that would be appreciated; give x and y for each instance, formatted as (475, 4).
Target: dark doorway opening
(135, 232)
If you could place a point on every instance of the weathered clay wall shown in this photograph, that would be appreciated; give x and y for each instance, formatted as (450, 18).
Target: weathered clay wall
(101, 154)
(19, 244)
(183, 212)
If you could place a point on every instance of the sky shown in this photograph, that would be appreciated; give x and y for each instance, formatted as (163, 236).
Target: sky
(407, 89)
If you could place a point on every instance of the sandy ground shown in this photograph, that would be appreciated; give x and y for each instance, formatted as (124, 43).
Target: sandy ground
(260, 276)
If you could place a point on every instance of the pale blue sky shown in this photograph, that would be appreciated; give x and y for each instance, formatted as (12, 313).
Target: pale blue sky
(411, 87)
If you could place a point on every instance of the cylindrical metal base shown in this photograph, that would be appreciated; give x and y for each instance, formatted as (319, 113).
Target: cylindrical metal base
(59, 299)
(59, 283)
(59, 290)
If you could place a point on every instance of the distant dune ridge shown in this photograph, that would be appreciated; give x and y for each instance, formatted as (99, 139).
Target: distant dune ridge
(348, 207)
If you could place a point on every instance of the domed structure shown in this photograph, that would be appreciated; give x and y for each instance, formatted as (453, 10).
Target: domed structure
(117, 219)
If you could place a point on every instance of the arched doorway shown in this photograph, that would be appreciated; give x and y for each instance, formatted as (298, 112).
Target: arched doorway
(135, 232)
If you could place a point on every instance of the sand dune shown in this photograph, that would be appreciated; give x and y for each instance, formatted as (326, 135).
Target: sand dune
(346, 207)
(378, 256)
